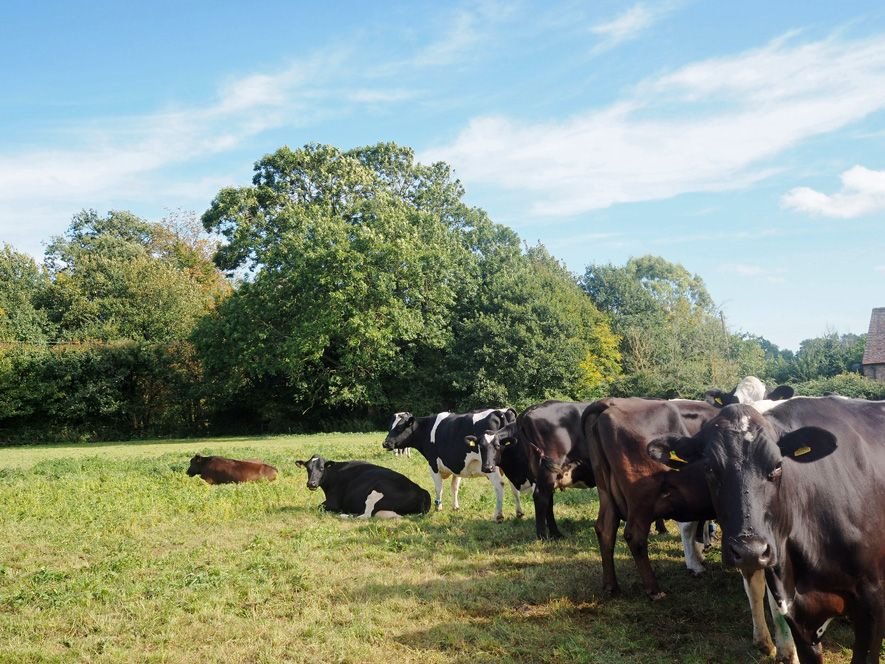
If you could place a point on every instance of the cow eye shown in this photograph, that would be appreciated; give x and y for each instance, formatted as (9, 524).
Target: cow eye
(776, 473)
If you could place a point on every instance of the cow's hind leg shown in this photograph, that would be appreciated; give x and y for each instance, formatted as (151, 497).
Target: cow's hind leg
(783, 636)
(437, 485)
(607, 522)
(456, 486)
(636, 533)
(518, 500)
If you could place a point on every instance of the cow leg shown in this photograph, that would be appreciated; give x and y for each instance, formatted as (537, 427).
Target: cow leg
(660, 528)
(607, 522)
(869, 628)
(495, 479)
(437, 485)
(783, 637)
(456, 486)
(694, 559)
(545, 524)
(636, 533)
(754, 586)
(518, 500)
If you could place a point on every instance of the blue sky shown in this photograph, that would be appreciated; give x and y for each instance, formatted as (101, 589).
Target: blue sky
(743, 140)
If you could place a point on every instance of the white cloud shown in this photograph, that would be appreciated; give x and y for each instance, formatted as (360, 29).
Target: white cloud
(629, 25)
(751, 271)
(863, 192)
(711, 126)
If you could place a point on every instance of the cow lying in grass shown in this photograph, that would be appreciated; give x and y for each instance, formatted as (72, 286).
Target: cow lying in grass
(364, 489)
(220, 470)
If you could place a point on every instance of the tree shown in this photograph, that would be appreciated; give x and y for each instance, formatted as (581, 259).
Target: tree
(23, 284)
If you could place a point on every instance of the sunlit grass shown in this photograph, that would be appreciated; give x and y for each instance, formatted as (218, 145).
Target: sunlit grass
(111, 553)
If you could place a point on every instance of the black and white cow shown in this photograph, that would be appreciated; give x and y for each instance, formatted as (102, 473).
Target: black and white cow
(500, 448)
(749, 390)
(443, 440)
(800, 495)
(364, 489)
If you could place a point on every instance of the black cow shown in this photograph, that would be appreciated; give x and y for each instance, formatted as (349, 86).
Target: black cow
(553, 443)
(364, 489)
(443, 440)
(800, 494)
(501, 448)
(749, 390)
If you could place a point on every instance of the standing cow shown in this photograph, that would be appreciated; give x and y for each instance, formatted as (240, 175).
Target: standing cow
(443, 440)
(501, 449)
(800, 494)
(364, 489)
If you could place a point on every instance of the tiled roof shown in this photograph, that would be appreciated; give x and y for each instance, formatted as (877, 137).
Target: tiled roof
(874, 351)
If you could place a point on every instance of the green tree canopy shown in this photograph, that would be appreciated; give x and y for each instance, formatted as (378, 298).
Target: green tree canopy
(23, 285)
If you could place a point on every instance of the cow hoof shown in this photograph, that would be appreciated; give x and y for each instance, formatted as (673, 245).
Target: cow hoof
(766, 649)
(499, 518)
(658, 596)
(611, 591)
(696, 572)
(519, 515)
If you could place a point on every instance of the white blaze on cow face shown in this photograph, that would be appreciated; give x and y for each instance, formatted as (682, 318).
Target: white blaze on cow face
(399, 418)
(371, 500)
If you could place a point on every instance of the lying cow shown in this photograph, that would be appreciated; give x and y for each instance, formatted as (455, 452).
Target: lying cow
(749, 390)
(800, 493)
(364, 489)
(443, 440)
(220, 470)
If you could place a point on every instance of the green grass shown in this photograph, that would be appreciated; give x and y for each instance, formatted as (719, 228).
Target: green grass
(110, 553)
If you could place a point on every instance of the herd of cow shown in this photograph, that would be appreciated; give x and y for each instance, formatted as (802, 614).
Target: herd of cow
(797, 485)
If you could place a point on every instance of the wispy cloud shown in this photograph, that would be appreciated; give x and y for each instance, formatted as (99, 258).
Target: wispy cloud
(629, 25)
(862, 193)
(880, 269)
(757, 272)
(713, 125)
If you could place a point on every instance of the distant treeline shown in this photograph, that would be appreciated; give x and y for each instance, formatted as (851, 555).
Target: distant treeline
(336, 289)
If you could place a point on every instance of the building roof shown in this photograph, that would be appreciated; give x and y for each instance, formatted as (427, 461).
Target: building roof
(874, 351)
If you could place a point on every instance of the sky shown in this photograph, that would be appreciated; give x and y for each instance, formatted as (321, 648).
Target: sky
(745, 141)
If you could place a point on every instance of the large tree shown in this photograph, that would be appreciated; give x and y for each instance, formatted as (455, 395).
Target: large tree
(23, 286)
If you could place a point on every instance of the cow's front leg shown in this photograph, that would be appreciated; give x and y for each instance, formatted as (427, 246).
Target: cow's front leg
(518, 501)
(694, 559)
(783, 636)
(495, 479)
(456, 486)
(437, 485)
(754, 586)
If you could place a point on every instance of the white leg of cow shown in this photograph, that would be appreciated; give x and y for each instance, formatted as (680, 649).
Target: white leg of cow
(754, 586)
(437, 485)
(517, 501)
(371, 500)
(456, 485)
(783, 638)
(495, 479)
(694, 559)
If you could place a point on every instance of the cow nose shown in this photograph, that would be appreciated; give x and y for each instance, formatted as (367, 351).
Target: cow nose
(750, 553)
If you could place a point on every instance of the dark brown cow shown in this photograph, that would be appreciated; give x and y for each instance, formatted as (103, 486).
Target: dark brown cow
(220, 470)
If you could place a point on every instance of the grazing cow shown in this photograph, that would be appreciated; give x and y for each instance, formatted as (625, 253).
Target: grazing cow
(749, 390)
(443, 440)
(501, 449)
(220, 470)
(800, 493)
(364, 489)
(552, 440)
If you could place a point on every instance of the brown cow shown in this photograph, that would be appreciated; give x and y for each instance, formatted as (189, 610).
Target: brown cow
(220, 470)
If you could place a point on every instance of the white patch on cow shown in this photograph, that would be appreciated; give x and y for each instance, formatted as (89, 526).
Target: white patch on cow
(472, 466)
(823, 628)
(489, 437)
(783, 607)
(398, 418)
(387, 514)
(750, 389)
(371, 500)
(765, 405)
(694, 558)
(481, 415)
(745, 423)
(783, 637)
(439, 418)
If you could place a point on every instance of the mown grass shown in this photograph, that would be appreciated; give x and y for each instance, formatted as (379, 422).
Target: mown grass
(111, 553)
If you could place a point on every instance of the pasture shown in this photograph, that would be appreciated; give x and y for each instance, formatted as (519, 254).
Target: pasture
(110, 553)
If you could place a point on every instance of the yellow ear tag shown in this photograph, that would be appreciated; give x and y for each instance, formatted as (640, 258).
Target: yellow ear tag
(472, 443)
(675, 457)
(801, 451)
(718, 400)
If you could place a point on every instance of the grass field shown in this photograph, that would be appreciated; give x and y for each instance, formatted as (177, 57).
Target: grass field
(110, 553)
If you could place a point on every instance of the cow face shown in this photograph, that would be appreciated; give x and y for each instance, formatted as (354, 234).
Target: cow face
(316, 469)
(491, 445)
(196, 467)
(400, 431)
(744, 460)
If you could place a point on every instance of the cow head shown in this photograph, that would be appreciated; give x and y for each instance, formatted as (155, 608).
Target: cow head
(744, 458)
(400, 431)
(197, 463)
(750, 389)
(492, 444)
(316, 469)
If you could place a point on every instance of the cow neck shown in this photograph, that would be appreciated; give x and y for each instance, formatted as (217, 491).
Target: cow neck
(420, 438)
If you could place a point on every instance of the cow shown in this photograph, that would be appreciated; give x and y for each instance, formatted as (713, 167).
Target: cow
(749, 390)
(443, 440)
(639, 487)
(364, 489)
(800, 494)
(220, 470)
(501, 449)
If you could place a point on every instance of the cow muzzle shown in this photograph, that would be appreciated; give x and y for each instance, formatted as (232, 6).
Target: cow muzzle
(749, 553)
(387, 444)
(313, 486)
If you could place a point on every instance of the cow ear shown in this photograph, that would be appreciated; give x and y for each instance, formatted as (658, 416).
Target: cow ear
(470, 440)
(329, 464)
(715, 398)
(301, 464)
(807, 444)
(674, 451)
(781, 392)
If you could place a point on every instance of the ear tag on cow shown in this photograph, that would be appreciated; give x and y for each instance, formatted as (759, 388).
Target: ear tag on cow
(472, 443)
(801, 451)
(718, 400)
(675, 457)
